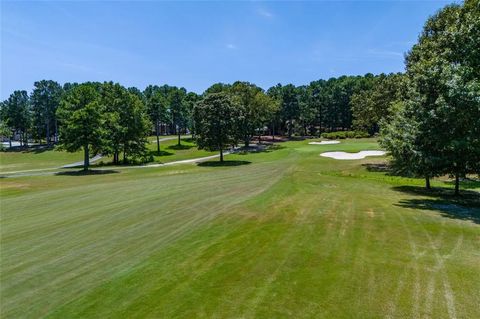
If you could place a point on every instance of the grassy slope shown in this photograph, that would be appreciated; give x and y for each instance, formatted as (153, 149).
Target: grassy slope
(170, 152)
(46, 159)
(290, 235)
(40, 159)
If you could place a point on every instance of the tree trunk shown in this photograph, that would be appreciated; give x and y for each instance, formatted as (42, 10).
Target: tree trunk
(427, 182)
(157, 131)
(124, 156)
(273, 131)
(10, 142)
(320, 120)
(457, 183)
(25, 139)
(48, 133)
(246, 142)
(178, 131)
(221, 154)
(56, 131)
(86, 158)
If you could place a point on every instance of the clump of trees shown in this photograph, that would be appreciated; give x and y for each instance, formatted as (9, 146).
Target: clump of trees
(103, 119)
(436, 128)
(218, 118)
(15, 113)
(82, 120)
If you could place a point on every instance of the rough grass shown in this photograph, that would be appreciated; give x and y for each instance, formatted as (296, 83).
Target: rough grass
(48, 158)
(35, 158)
(171, 152)
(291, 234)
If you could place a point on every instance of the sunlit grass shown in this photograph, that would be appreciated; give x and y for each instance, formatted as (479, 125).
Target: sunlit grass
(287, 234)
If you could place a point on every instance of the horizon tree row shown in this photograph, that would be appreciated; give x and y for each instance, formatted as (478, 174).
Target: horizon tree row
(344, 103)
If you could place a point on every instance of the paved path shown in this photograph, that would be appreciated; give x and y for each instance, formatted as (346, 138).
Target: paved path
(169, 138)
(77, 164)
(54, 170)
(51, 171)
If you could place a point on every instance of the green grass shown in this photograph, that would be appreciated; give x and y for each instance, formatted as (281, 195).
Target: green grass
(12, 161)
(40, 159)
(286, 234)
(171, 152)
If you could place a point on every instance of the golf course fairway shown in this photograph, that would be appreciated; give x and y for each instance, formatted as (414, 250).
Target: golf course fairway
(282, 233)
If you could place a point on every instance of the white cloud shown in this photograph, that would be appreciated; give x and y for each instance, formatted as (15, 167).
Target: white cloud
(231, 46)
(264, 13)
(385, 53)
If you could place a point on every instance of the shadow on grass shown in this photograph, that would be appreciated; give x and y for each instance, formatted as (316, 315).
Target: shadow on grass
(86, 173)
(36, 149)
(467, 183)
(224, 163)
(180, 147)
(161, 153)
(188, 140)
(378, 167)
(259, 149)
(466, 206)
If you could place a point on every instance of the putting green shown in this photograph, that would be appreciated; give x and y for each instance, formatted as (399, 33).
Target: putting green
(282, 233)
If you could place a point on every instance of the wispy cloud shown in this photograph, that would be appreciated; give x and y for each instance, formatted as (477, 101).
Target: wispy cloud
(265, 13)
(384, 53)
(230, 46)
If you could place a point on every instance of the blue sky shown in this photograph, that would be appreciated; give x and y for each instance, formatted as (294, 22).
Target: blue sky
(195, 44)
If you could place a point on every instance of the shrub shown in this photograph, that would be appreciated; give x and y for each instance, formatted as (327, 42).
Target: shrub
(344, 134)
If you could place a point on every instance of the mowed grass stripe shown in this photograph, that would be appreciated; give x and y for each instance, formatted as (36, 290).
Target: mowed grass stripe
(107, 224)
(290, 235)
(279, 261)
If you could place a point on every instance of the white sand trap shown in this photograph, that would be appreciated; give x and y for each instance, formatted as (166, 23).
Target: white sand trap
(352, 156)
(324, 143)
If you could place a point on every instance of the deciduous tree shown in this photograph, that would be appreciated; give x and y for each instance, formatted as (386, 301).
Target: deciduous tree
(82, 122)
(217, 119)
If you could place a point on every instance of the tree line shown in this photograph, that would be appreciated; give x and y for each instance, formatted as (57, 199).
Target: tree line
(125, 116)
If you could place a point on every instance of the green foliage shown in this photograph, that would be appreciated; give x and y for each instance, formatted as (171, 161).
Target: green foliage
(126, 124)
(443, 107)
(218, 118)
(46, 98)
(82, 118)
(16, 115)
(257, 108)
(398, 138)
(374, 104)
(178, 109)
(344, 134)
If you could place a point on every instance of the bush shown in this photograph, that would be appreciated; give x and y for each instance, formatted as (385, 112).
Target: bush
(344, 134)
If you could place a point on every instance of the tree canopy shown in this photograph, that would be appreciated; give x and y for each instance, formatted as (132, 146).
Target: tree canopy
(218, 117)
(82, 122)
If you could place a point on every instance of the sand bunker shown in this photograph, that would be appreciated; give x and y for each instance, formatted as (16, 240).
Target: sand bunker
(352, 156)
(324, 143)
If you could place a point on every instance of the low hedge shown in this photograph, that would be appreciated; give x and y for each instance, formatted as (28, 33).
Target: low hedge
(344, 134)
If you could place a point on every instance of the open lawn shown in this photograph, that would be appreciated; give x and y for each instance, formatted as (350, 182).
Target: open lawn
(35, 158)
(170, 151)
(277, 234)
(48, 158)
